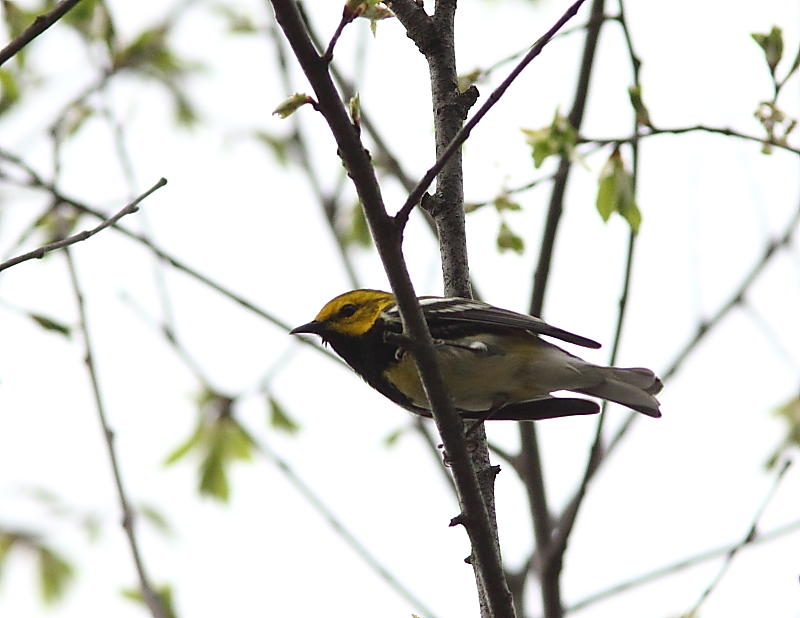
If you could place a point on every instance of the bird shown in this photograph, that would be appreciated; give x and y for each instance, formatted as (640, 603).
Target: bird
(495, 363)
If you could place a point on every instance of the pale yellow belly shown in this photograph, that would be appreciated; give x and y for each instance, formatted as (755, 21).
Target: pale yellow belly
(508, 370)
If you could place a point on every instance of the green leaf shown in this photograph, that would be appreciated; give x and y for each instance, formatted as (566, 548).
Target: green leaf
(9, 90)
(473, 206)
(183, 109)
(789, 413)
(507, 239)
(279, 419)
(188, 445)
(631, 213)
(58, 223)
(237, 21)
(354, 107)
(7, 541)
(465, 80)
(236, 442)
(606, 194)
(504, 203)
(213, 479)
(559, 139)
(54, 574)
(291, 104)
(218, 439)
(156, 518)
(374, 10)
(227, 441)
(91, 20)
(794, 67)
(393, 437)
(642, 113)
(164, 594)
(615, 192)
(50, 324)
(278, 146)
(772, 46)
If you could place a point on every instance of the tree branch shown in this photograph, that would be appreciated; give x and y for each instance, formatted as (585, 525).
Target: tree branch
(150, 597)
(596, 452)
(416, 195)
(680, 565)
(341, 529)
(327, 202)
(36, 181)
(302, 487)
(388, 237)
(550, 569)
(81, 236)
(450, 107)
(703, 329)
(39, 25)
(751, 533)
(692, 129)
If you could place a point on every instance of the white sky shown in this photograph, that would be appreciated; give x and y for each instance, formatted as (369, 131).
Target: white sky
(688, 482)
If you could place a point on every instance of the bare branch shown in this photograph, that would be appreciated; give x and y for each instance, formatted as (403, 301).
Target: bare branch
(39, 25)
(81, 236)
(36, 181)
(149, 595)
(694, 129)
(416, 195)
(285, 468)
(703, 329)
(680, 565)
(327, 201)
(752, 532)
(596, 452)
(388, 239)
(341, 529)
(550, 564)
(347, 17)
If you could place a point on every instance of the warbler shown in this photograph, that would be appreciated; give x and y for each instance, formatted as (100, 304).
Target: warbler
(494, 361)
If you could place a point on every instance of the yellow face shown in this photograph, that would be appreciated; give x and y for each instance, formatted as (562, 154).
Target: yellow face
(354, 313)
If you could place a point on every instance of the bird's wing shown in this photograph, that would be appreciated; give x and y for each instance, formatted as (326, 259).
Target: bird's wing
(466, 311)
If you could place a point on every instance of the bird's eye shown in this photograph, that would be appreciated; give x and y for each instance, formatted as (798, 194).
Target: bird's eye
(347, 310)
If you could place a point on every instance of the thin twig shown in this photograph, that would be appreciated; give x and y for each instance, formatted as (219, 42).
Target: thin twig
(328, 203)
(702, 330)
(347, 17)
(484, 73)
(299, 484)
(680, 565)
(693, 129)
(341, 529)
(752, 532)
(39, 25)
(596, 452)
(414, 197)
(149, 595)
(551, 564)
(384, 154)
(736, 297)
(81, 236)
(36, 181)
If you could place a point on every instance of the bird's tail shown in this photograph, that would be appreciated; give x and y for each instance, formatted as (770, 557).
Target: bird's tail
(632, 387)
